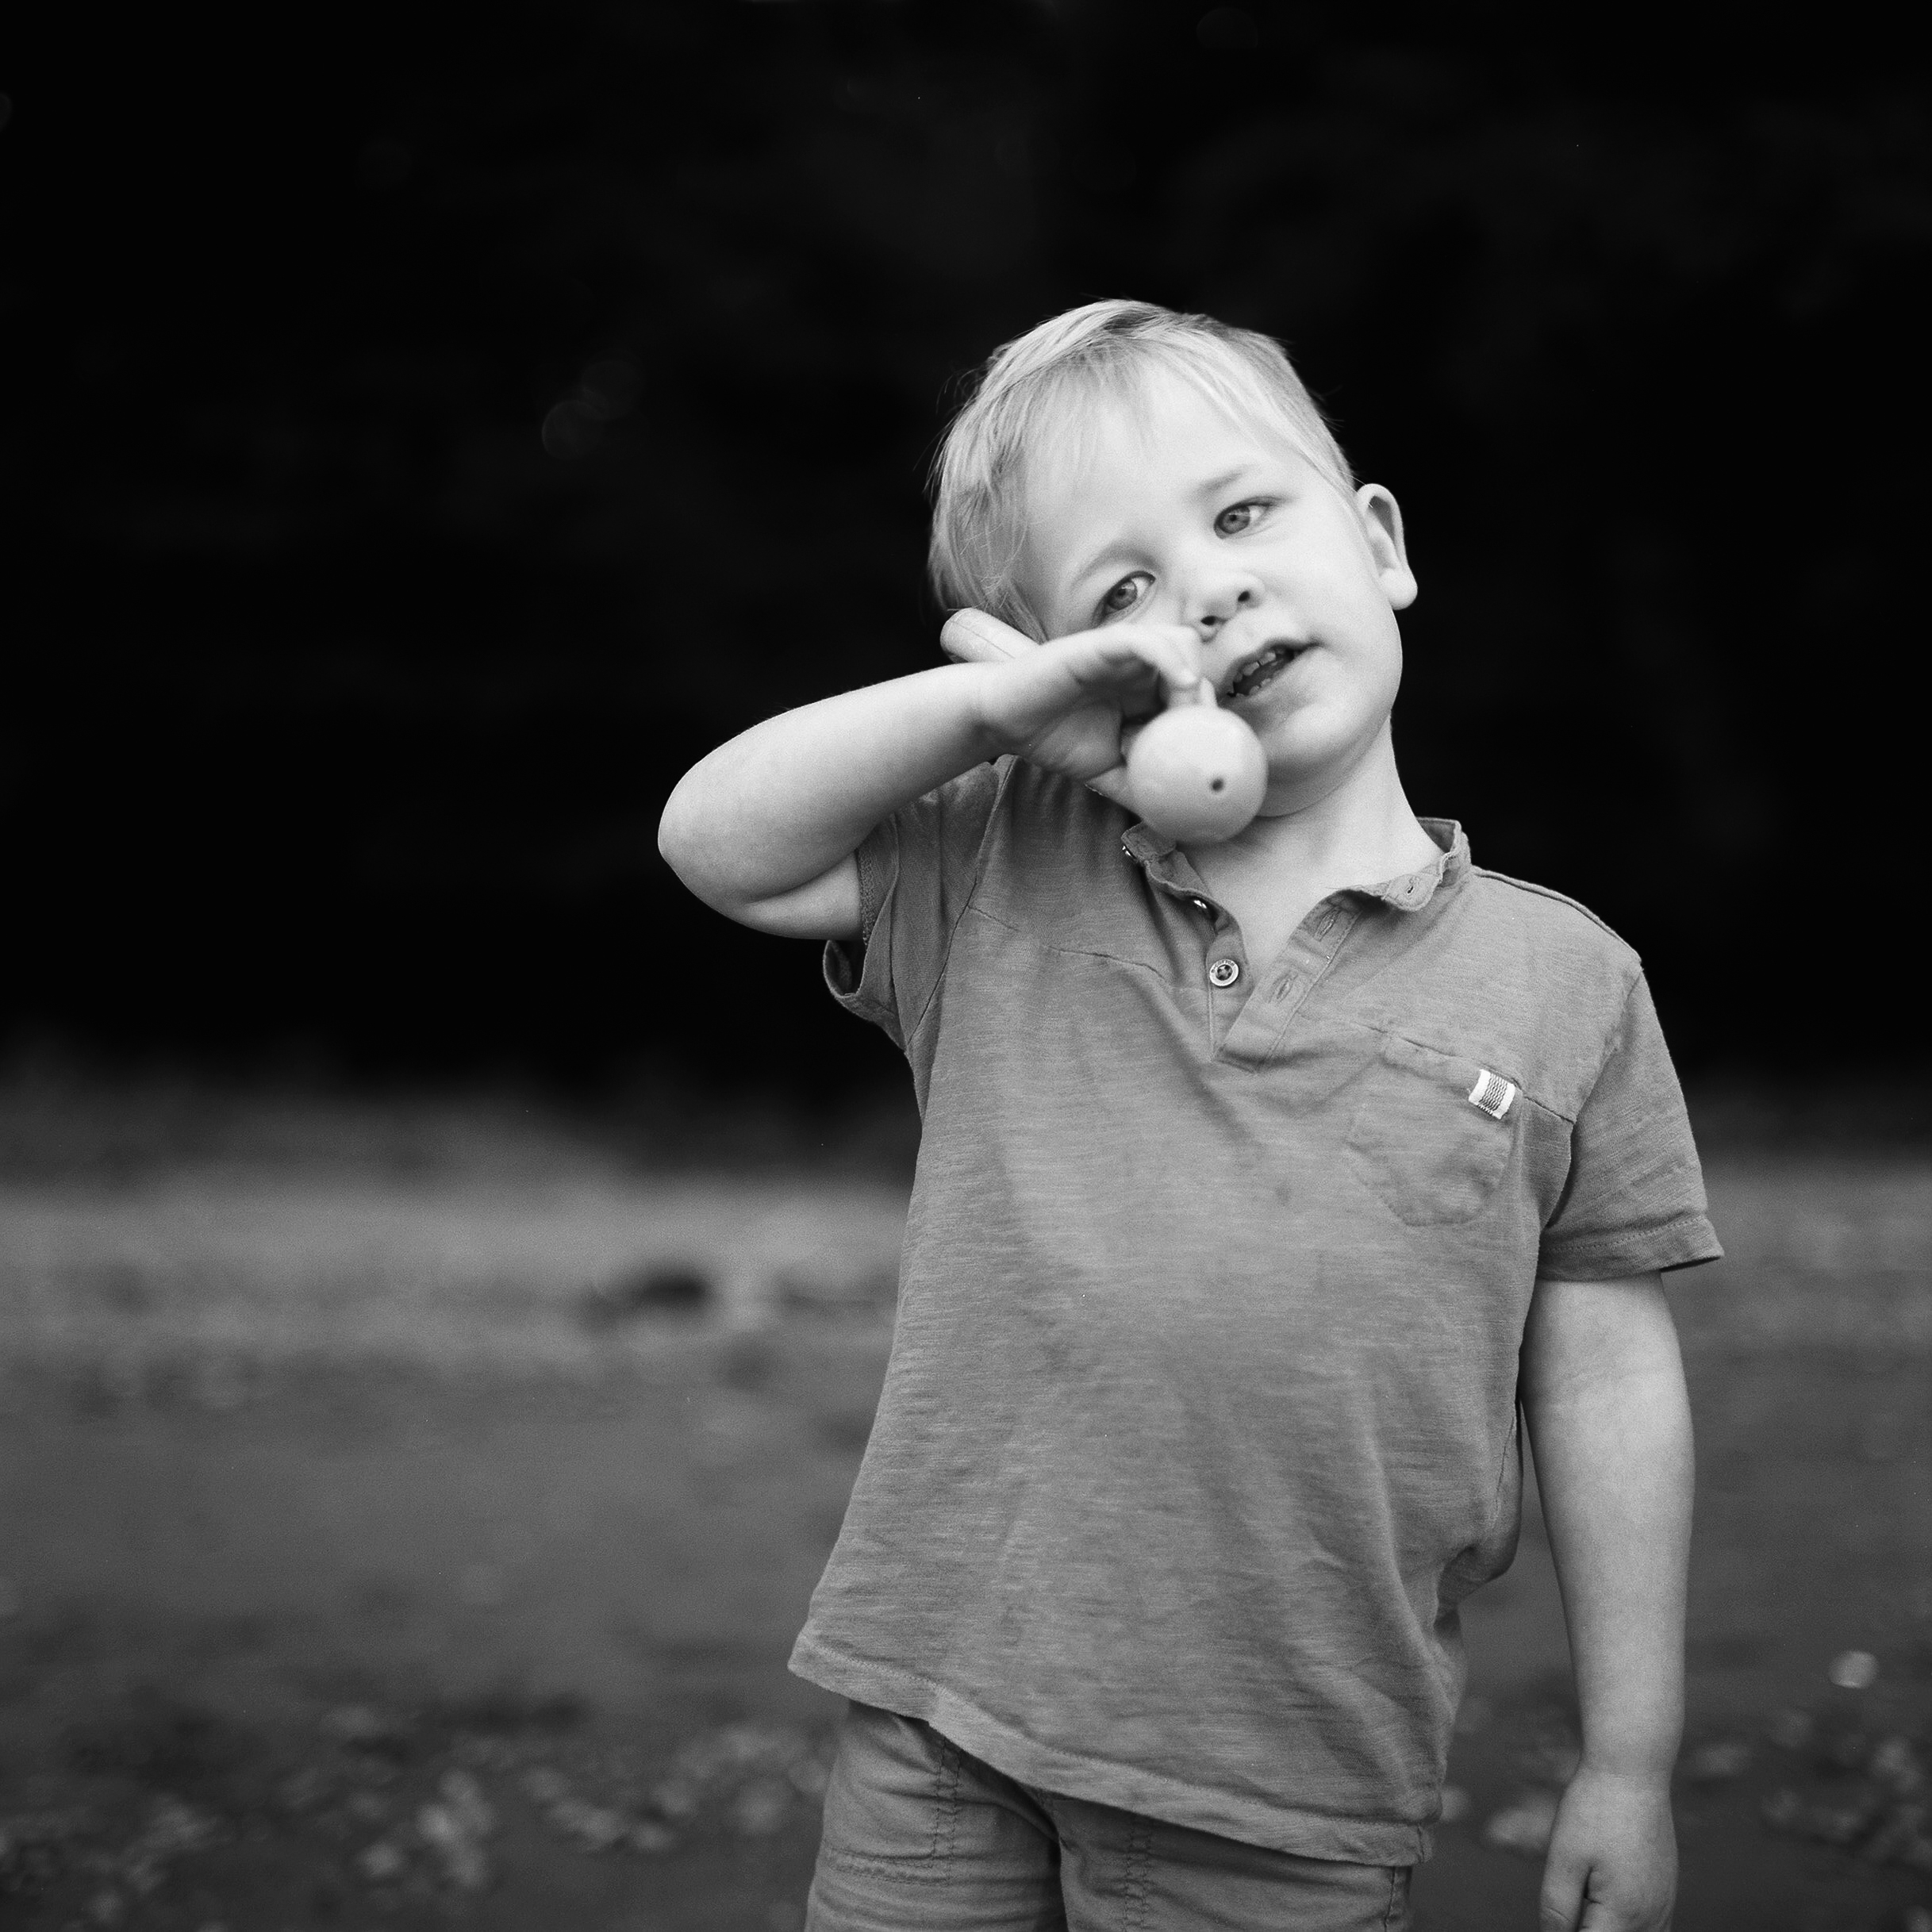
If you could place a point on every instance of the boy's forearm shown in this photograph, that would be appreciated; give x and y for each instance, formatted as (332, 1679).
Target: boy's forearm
(1609, 1421)
(783, 803)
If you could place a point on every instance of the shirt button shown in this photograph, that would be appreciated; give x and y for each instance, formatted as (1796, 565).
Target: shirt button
(1223, 972)
(1200, 905)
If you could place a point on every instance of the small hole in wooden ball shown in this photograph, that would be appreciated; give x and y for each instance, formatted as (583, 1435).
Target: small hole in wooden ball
(1197, 774)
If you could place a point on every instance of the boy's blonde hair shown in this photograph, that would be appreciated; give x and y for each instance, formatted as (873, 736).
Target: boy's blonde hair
(1031, 385)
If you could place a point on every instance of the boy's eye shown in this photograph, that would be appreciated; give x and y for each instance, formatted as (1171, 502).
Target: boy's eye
(1238, 517)
(1125, 594)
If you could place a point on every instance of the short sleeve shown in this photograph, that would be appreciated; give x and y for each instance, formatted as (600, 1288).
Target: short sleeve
(1634, 1198)
(916, 872)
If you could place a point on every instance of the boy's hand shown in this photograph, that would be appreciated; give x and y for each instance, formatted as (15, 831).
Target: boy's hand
(1063, 706)
(1613, 1857)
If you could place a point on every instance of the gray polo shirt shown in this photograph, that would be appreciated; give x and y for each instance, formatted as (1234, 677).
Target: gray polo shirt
(1200, 1420)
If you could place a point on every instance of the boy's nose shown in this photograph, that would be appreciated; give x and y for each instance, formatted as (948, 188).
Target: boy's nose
(1216, 607)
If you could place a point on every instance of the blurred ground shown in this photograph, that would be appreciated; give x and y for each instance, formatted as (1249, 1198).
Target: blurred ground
(405, 1514)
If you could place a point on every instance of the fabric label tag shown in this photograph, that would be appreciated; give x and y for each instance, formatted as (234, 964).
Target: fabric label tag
(1492, 1093)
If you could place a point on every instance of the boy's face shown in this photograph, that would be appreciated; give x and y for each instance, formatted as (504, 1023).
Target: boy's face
(1178, 514)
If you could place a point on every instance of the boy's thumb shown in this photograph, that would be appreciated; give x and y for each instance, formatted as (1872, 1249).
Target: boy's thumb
(1562, 1896)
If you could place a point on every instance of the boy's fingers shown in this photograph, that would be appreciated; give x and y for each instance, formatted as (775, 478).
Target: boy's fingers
(1172, 651)
(1596, 1917)
(1184, 652)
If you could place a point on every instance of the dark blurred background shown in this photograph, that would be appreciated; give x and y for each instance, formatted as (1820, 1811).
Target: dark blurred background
(426, 432)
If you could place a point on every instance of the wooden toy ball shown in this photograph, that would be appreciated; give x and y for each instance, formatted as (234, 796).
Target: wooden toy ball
(1197, 774)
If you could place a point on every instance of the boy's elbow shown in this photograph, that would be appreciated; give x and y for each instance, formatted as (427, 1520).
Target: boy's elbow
(673, 830)
(681, 844)
(693, 842)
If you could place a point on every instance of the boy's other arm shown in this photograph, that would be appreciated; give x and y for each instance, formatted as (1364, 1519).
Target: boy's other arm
(765, 828)
(1609, 1421)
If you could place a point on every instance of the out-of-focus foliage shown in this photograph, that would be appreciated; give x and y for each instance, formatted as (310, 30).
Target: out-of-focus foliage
(427, 434)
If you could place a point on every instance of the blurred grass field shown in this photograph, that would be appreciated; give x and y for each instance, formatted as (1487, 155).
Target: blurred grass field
(407, 1511)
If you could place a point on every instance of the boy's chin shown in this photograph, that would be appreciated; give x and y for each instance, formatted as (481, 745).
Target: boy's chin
(1306, 762)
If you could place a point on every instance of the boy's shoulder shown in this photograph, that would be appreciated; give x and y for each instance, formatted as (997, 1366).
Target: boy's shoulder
(1537, 949)
(1553, 916)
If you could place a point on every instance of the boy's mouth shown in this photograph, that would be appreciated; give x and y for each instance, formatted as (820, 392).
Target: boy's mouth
(1252, 673)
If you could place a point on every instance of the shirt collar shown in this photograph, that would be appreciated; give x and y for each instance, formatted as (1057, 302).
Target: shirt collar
(1408, 892)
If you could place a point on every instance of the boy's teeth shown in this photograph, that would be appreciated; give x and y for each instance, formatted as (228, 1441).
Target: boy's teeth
(1253, 675)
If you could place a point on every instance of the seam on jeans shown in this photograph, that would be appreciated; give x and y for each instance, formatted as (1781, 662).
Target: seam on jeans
(1395, 1881)
(945, 1775)
(946, 1809)
(1139, 1849)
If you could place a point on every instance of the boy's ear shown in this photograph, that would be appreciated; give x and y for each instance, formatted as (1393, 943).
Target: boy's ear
(1381, 522)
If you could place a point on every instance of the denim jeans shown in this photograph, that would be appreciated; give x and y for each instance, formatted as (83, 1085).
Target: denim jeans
(922, 1837)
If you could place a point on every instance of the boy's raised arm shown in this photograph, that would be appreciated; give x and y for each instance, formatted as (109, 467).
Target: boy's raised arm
(1609, 1420)
(763, 830)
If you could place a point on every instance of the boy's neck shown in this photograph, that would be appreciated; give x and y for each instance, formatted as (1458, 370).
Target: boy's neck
(1359, 832)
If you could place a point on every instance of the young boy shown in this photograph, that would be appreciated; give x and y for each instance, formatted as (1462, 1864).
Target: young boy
(1260, 1182)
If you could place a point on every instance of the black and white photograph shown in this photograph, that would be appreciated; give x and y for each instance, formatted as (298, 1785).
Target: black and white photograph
(958, 970)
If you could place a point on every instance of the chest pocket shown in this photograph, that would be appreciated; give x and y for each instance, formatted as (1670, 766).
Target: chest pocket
(1430, 1153)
